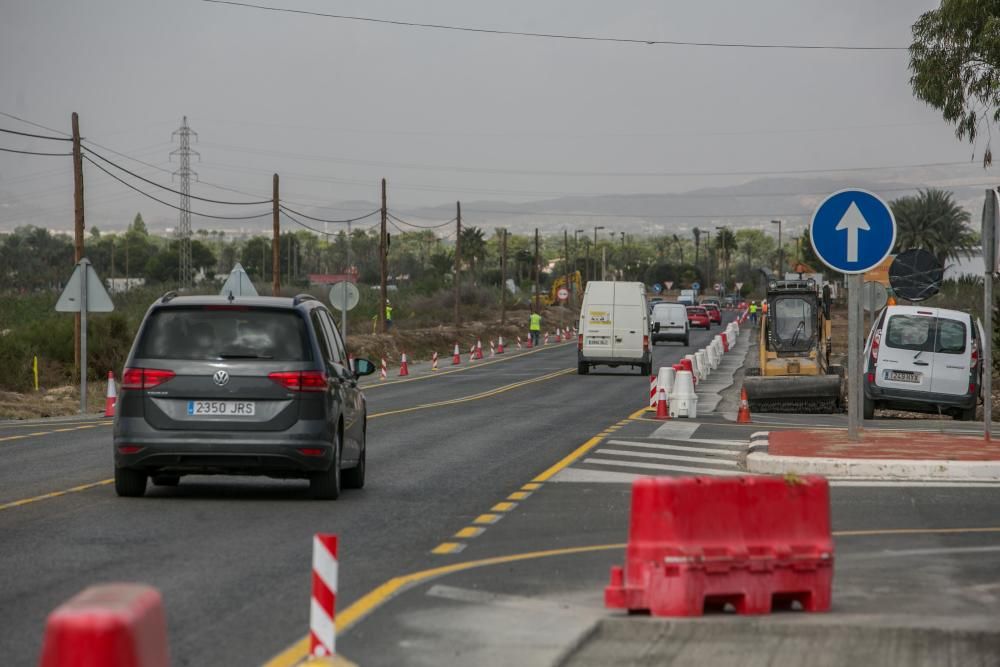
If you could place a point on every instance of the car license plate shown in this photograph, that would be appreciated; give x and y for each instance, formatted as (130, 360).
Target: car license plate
(903, 376)
(221, 408)
(598, 340)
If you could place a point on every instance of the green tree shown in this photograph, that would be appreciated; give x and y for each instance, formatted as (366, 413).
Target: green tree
(138, 225)
(955, 60)
(932, 220)
(473, 247)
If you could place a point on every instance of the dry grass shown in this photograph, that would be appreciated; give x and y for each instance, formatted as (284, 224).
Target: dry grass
(55, 402)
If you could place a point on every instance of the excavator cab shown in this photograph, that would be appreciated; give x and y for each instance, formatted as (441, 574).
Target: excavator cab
(794, 372)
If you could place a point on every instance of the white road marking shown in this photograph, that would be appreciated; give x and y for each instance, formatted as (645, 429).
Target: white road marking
(675, 430)
(595, 476)
(676, 448)
(658, 466)
(665, 457)
(902, 553)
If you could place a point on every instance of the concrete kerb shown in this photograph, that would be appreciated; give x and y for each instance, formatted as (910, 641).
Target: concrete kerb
(710, 391)
(757, 460)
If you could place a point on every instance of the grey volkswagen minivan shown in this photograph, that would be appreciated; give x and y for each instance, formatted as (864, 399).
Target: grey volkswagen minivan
(240, 386)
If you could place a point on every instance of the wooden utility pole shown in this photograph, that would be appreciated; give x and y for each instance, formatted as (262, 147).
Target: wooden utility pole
(78, 222)
(383, 254)
(503, 277)
(458, 263)
(276, 243)
(569, 285)
(538, 274)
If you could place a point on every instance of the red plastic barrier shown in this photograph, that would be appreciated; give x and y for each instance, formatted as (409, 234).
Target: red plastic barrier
(752, 542)
(112, 625)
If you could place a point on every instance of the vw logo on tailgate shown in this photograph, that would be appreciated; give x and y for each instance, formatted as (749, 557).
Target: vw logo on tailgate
(221, 378)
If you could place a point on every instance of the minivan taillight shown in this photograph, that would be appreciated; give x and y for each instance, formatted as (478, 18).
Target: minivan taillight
(145, 378)
(974, 358)
(579, 341)
(645, 343)
(300, 380)
(875, 341)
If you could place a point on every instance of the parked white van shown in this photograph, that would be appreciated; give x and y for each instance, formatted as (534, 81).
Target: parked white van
(670, 323)
(614, 327)
(923, 360)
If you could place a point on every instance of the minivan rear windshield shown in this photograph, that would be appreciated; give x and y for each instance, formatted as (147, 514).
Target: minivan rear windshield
(206, 333)
(920, 333)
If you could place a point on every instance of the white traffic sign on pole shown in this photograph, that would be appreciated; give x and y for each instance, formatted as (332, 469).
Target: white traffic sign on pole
(669, 284)
(563, 294)
(84, 294)
(344, 296)
(853, 231)
(238, 283)
(739, 286)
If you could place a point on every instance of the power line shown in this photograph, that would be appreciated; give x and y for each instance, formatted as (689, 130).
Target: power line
(35, 136)
(302, 224)
(11, 150)
(309, 217)
(33, 124)
(91, 151)
(178, 208)
(547, 35)
(413, 224)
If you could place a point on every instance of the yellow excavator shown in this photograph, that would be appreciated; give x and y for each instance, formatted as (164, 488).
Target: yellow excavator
(793, 372)
(560, 281)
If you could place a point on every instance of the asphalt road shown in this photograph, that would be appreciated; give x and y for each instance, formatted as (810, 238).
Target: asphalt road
(232, 555)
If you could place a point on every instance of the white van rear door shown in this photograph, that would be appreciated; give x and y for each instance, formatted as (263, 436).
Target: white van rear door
(952, 356)
(906, 352)
(596, 318)
(629, 318)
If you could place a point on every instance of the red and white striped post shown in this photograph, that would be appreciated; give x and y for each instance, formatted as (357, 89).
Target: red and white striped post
(322, 631)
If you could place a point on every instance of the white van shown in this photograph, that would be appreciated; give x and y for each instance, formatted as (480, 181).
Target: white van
(923, 360)
(614, 327)
(670, 323)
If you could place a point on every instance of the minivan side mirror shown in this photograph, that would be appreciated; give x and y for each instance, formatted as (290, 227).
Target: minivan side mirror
(363, 367)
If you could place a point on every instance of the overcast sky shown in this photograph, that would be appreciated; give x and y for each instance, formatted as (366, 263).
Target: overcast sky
(334, 105)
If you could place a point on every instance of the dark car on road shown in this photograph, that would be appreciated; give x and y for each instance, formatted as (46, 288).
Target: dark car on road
(240, 386)
(714, 313)
(698, 317)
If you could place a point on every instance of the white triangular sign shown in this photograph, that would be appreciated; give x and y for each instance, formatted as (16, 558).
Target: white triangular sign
(98, 300)
(238, 283)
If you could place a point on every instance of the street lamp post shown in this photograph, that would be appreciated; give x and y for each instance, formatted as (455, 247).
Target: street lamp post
(781, 251)
(725, 258)
(708, 253)
(576, 254)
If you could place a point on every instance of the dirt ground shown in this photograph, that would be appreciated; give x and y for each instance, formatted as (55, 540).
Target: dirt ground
(55, 402)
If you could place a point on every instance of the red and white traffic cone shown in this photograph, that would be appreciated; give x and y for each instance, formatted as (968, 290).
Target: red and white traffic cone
(384, 372)
(493, 350)
(434, 361)
(558, 334)
(529, 344)
(743, 416)
(404, 368)
(112, 399)
(545, 341)
(652, 391)
(322, 610)
(662, 410)
(456, 358)
(519, 342)
(499, 344)
(479, 348)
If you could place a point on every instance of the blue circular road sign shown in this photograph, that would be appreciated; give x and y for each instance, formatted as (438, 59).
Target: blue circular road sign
(696, 286)
(657, 287)
(852, 231)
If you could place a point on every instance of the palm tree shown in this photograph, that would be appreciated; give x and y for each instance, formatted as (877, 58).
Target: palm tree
(473, 246)
(932, 220)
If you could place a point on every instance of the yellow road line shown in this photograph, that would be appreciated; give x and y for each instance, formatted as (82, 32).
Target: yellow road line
(914, 531)
(378, 596)
(470, 531)
(474, 397)
(486, 519)
(568, 460)
(531, 486)
(503, 507)
(638, 413)
(54, 423)
(55, 494)
(518, 495)
(448, 548)
(438, 374)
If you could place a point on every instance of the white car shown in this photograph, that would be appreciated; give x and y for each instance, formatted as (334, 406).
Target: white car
(614, 327)
(670, 323)
(923, 360)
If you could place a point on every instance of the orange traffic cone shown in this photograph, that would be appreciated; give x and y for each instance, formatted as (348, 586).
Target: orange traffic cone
(404, 368)
(743, 416)
(500, 345)
(456, 359)
(661, 405)
(434, 361)
(112, 399)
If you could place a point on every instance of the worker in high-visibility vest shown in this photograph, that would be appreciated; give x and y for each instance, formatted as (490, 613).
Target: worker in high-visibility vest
(388, 315)
(763, 306)
(753, 312)
(535, 327)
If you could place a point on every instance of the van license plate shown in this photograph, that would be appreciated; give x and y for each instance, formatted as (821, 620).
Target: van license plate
(221, 408)
(903, 376)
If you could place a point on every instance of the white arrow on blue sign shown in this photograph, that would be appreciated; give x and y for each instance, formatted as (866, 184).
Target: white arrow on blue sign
(852, 231)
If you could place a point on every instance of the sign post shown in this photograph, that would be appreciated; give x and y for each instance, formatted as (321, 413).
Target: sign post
(853, 231)
(990, 238)
(84, 293)
(344, 296)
